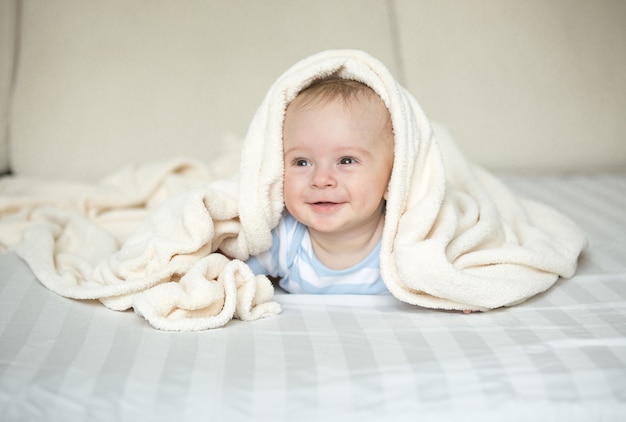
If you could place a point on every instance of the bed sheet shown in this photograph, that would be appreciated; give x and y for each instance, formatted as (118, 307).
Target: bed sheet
(559, 356)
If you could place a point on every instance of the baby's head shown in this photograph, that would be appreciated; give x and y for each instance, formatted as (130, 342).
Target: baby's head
(332, 88)
(338, 153)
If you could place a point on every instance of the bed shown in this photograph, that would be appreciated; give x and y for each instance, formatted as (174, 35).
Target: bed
(536, 92)
(559, 356)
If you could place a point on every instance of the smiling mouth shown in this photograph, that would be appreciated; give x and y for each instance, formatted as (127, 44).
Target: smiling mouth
(325, 206)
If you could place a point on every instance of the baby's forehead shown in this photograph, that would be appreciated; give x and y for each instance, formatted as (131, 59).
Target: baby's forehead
(371, 106)
(364, 98)
(355, 96)
(365, 114)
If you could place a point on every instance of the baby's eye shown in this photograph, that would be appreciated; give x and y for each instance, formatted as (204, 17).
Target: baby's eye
(301, 162)
(347, 160)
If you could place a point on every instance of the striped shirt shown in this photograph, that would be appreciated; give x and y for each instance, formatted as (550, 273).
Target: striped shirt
(291, 258)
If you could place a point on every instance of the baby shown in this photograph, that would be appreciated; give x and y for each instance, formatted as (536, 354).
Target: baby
(338, 156)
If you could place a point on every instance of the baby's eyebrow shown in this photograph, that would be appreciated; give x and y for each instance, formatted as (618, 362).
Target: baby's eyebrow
(356, 150)
(294, 150)
(300, 150)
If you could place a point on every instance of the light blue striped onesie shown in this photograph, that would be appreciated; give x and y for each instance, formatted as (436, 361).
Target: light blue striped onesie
(291, 258)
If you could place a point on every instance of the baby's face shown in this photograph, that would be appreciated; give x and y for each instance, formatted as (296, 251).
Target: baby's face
(338, 161)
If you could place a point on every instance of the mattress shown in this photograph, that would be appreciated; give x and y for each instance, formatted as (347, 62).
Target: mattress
(559, 356)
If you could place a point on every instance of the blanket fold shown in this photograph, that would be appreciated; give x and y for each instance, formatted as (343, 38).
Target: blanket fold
(146, 238)
(454, 236)
(169, 240)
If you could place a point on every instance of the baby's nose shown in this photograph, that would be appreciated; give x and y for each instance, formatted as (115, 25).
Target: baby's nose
(323, 178)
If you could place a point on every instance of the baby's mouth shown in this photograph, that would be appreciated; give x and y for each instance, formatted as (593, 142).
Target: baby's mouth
(325, 206)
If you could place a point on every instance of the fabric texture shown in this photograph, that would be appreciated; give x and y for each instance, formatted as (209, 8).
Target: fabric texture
(144, 238)
(561, 356)
(454, 238)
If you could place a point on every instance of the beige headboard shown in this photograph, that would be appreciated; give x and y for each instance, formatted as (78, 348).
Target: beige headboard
(90, 86)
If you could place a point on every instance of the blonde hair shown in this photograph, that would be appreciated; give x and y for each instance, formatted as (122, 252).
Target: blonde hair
(332, 87)
(327, 89)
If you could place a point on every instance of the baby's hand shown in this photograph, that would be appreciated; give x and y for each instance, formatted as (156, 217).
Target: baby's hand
(467, 311)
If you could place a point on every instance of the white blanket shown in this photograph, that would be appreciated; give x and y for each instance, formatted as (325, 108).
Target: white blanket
(156, 238)
(144, 238)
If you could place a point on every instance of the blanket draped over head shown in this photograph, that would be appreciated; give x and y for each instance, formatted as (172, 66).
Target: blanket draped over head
(170, 241)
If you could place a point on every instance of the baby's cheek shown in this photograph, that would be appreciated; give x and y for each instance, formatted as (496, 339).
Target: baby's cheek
(371, 191)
